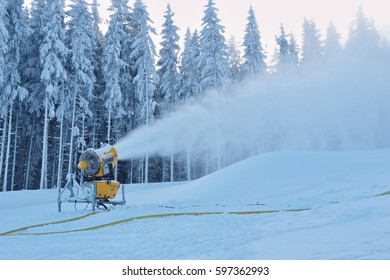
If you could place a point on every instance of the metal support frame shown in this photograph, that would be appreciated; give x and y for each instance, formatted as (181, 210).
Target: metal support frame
(84, 193)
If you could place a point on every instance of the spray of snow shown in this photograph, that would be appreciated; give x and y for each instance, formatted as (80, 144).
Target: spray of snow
(341, 106)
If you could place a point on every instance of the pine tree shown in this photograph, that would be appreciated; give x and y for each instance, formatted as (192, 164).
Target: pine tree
(363, 37)
(113, 64)
(213, 60)
(189, 68)
(168, 73)
(33, 66)
(97, 128)
(332, 46)
(12, 88)
(293, 51)
(96, 21)
(16, 26)
(128, 121)
(32, 69)
(283, 51)
(287, 53)
(215, 74)
(234, 61)
(128, 73)
(52, 55)
(143, 53)
(189, 84)
(4, 103)
(312, 49)
(3, 51)
(81, 73)
(254, 55)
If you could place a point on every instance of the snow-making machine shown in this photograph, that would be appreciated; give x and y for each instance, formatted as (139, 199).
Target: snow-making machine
(98, 186)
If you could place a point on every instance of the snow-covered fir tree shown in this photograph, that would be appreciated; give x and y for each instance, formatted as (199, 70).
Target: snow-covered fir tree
(96, 22)
(283, 51)
(128, 121)
(254, 56)
(312, 48)
(96, 132)
(332, 46)
(16, 26)
(52, 54)
(113, 64)
(213, 61)
(22, 117)
(168, 85)
(3, 51)
(3, 102)
(215, 74)
(287, 53)
(128, 73)
(189, 86)
(293, 51)
(189, 68)
(81, 77)
(235, 60)
(12, 87)
(143, 53)
(363, 36)
(168, 64)
(32, 69)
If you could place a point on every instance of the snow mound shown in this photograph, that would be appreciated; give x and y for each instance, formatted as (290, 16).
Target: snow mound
(340, 217)
(300, 178)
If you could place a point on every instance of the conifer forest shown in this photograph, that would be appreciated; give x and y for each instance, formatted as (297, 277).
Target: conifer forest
(65, 86)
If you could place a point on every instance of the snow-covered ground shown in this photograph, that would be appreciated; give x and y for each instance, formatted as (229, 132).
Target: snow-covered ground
(337, 214)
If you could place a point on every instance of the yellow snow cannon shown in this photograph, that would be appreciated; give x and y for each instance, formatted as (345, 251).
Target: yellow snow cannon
(98, 187)
(98, 166)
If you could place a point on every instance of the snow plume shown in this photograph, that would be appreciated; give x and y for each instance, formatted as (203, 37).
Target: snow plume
(341, 106)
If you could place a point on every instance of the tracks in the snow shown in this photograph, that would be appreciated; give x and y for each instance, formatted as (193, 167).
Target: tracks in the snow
(23, 231)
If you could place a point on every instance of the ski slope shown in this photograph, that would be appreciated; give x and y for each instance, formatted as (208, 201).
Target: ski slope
(282, 205)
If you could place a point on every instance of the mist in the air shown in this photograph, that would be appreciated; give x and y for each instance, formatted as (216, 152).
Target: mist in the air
(341, 103)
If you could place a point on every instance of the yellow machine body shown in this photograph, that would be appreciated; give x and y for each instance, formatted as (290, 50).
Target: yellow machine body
(110, 154)
(99, 163)
(106, 189)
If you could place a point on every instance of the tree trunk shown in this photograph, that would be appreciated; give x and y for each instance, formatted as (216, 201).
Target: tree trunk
(5, 176)
(218, 130)
(94, 132)
(83, 134)
(29, 157)
(141, 171)
(109, 123)
(164, 168)
(60, 150)
(146, 167)
(43, 183)
(188, 164)
(14, 160)
(2, 148)
(171, 165)
(72, 133)
(147, 125)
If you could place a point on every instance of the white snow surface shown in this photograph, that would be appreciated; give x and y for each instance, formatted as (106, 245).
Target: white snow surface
(344, 217)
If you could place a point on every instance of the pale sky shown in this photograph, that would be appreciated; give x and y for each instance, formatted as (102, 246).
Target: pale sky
(270, 14)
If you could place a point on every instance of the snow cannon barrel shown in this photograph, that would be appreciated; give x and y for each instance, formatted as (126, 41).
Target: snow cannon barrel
(100, 163)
